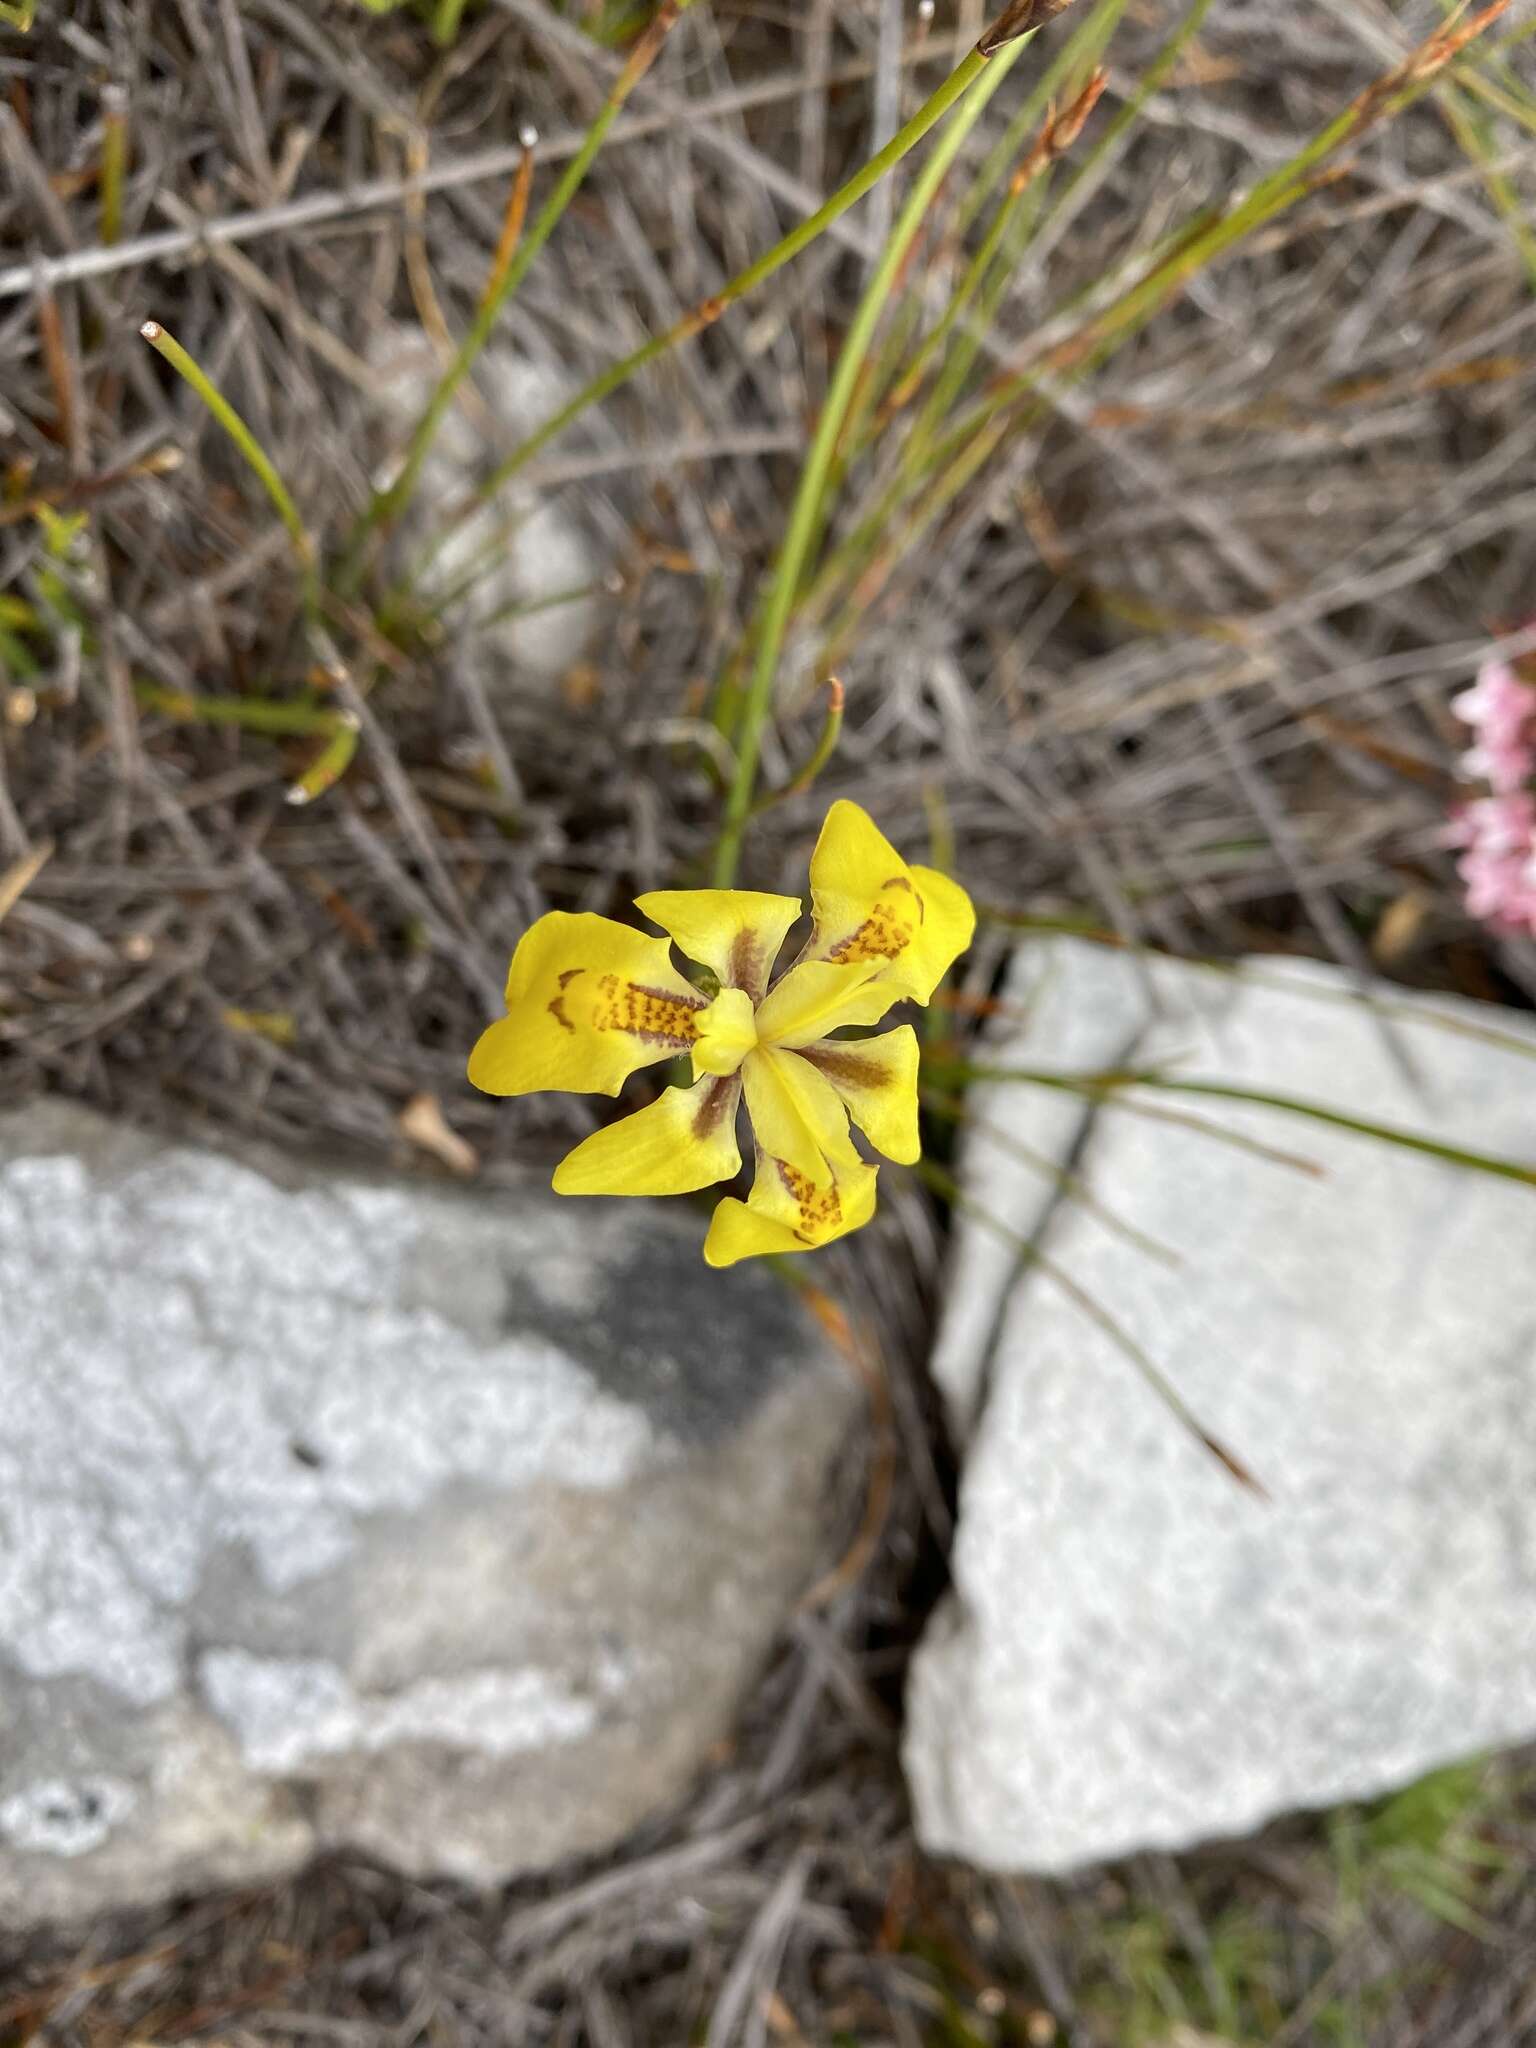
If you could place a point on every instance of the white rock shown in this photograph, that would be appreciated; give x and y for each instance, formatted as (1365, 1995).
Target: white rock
(1137, 1652)
(447, 1527)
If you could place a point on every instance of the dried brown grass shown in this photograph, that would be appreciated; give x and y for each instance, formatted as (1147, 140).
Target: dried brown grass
(1181, 667)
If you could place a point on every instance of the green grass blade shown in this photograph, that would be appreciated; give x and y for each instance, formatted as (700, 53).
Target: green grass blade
(255, 455)
(1030, 1254)
(806, 512)
(1109, 1082)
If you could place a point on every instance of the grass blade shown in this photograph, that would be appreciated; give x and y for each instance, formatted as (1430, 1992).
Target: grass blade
(1109, 1083)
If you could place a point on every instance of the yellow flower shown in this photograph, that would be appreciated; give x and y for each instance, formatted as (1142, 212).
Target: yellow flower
(589, 1001)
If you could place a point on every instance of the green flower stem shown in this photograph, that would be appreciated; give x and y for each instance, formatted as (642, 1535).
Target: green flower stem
(805, 515)
(303, 547)
(385, 506)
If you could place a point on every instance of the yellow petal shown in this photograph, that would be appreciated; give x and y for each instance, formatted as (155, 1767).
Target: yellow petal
(727, 1033)
(588, 1001)
(947, 927)
(686, 1139)
(797, 1118)
(783, 1215)
(820, 996)
(870, 906)
(876, 1079)
(865, 903)
(736, 933)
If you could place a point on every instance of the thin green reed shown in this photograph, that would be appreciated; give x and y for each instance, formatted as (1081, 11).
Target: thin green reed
(805, 512)
(1012, 402)
(980, 295)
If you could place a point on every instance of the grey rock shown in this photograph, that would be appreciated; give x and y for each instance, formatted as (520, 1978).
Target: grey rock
(1137, 1652)
(446, 1527)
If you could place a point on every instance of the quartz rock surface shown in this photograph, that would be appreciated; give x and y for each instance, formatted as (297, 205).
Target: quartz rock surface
(1138, 1652)
(447, 1527)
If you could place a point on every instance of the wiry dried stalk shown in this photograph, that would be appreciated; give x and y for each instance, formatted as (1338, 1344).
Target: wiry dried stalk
(1301, 492)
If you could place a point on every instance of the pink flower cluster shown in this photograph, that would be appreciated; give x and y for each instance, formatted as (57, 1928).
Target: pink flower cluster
(1497, 833)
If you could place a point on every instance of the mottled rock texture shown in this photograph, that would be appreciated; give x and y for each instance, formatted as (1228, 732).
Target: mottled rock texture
(1137, 1652)
(447, 1527)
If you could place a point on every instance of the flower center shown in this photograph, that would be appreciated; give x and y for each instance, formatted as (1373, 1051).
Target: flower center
(727, 1030)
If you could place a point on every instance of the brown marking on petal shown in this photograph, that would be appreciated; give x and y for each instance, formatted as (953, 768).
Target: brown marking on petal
(718, 1100)
(556, 1006)
(654, 1014)
(821, 1209)
(690, 1001)
(906, 882)
(746, 964)
(844, 1063)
